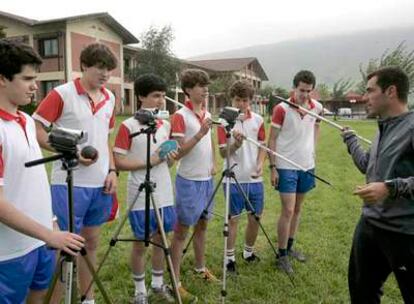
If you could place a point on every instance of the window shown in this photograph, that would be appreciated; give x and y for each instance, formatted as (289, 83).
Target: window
(49, 47)
(47, 86)
(127, 97)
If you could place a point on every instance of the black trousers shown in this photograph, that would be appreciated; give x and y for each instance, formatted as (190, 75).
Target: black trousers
(375, 254)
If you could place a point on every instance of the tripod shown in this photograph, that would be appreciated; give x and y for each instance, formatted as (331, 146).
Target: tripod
(147, 186)
(67, 262)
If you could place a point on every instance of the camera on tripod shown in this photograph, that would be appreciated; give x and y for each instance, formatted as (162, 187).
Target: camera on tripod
(65, 140)
(228, 116)
(148, 117)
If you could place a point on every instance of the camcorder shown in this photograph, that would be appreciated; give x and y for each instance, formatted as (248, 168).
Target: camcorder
(148, 117)
(65, 140)
(228, 116)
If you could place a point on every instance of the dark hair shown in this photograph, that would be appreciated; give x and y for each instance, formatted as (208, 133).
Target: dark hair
(242, 88)
(389, 76)
(148, 83)
(192, 77)
(14, 55)
(98, 55)
(304, 76)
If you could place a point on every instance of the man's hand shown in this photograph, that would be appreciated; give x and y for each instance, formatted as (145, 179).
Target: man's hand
(346, 132)
(69, 242)
(111, 183)
(373, 192)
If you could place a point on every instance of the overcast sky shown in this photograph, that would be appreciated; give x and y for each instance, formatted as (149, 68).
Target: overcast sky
(216, 25)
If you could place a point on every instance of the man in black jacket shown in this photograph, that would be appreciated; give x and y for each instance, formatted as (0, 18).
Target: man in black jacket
(384, 237)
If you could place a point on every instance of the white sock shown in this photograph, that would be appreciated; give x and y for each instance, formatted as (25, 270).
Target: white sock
(92, 301)
(248, 251)
(157, 278)
(230, 255)
(199, 270)
(139, 281)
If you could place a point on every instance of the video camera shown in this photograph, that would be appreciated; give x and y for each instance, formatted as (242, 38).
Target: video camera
(228, 116)
(148, 117)
(65, 140)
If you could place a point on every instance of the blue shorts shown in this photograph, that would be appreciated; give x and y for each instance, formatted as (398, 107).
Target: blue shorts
(92, 207)
(253, 191)
(137, 221)
(295, 181)
(33, 271)
(191, 198)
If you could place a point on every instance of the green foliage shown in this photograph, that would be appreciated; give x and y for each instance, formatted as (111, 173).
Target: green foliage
(324, 91)
(400, 57)
(156, 55)
(29, 108)
(341, 88)
(221, 83)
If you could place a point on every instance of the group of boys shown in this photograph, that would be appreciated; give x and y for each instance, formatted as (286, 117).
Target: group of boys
(27, 204)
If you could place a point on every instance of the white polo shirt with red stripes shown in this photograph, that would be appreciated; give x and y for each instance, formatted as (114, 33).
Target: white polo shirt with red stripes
(296, 139)
(26, 188)
(198, 163)
(70, 106)
(246, 156)
(136, 148)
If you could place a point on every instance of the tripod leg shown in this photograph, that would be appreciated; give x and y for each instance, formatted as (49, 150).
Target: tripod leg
(95, 277)
(225, 235)
(54, 281)
(113, 241)
(204, 211)
(167, 251)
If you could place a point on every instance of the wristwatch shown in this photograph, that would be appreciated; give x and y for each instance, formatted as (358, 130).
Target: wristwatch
(392, 187)
(113, 170)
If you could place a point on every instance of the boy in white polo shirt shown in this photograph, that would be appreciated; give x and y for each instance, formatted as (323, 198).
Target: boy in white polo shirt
(130, 155)
(26, 264)
(248, 172)
(190, 126)
(84, 104)
(293, 134)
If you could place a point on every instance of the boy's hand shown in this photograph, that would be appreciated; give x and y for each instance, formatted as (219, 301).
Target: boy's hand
(69, 242)
(259, 171)
(87, 161)
(205, 127)
(111, 183)
(238, 137)
(274, 177)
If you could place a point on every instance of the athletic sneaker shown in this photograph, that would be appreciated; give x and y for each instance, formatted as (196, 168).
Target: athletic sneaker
(207, 276)
(297, 255)
(141, 298)
(284, 264)
(186, 297)
(252, 258)
(231, 267)
(161, 295)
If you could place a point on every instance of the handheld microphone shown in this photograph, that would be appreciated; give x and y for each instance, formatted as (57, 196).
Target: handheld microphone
(89, 152)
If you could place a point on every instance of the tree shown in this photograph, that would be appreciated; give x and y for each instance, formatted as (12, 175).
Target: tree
(400, 57)
(324, 91)
(341, 88)
(156, 55)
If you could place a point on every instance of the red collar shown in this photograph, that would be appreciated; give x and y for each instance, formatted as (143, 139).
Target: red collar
(19, 118)
(81, 91)
(189, 105)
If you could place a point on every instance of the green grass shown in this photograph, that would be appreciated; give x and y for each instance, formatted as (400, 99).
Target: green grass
(328, 220)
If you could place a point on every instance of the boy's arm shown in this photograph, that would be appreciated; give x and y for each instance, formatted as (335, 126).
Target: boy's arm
(17, 220)
(177, 126)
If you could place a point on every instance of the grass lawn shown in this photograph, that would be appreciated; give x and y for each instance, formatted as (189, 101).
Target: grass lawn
(325, 234)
